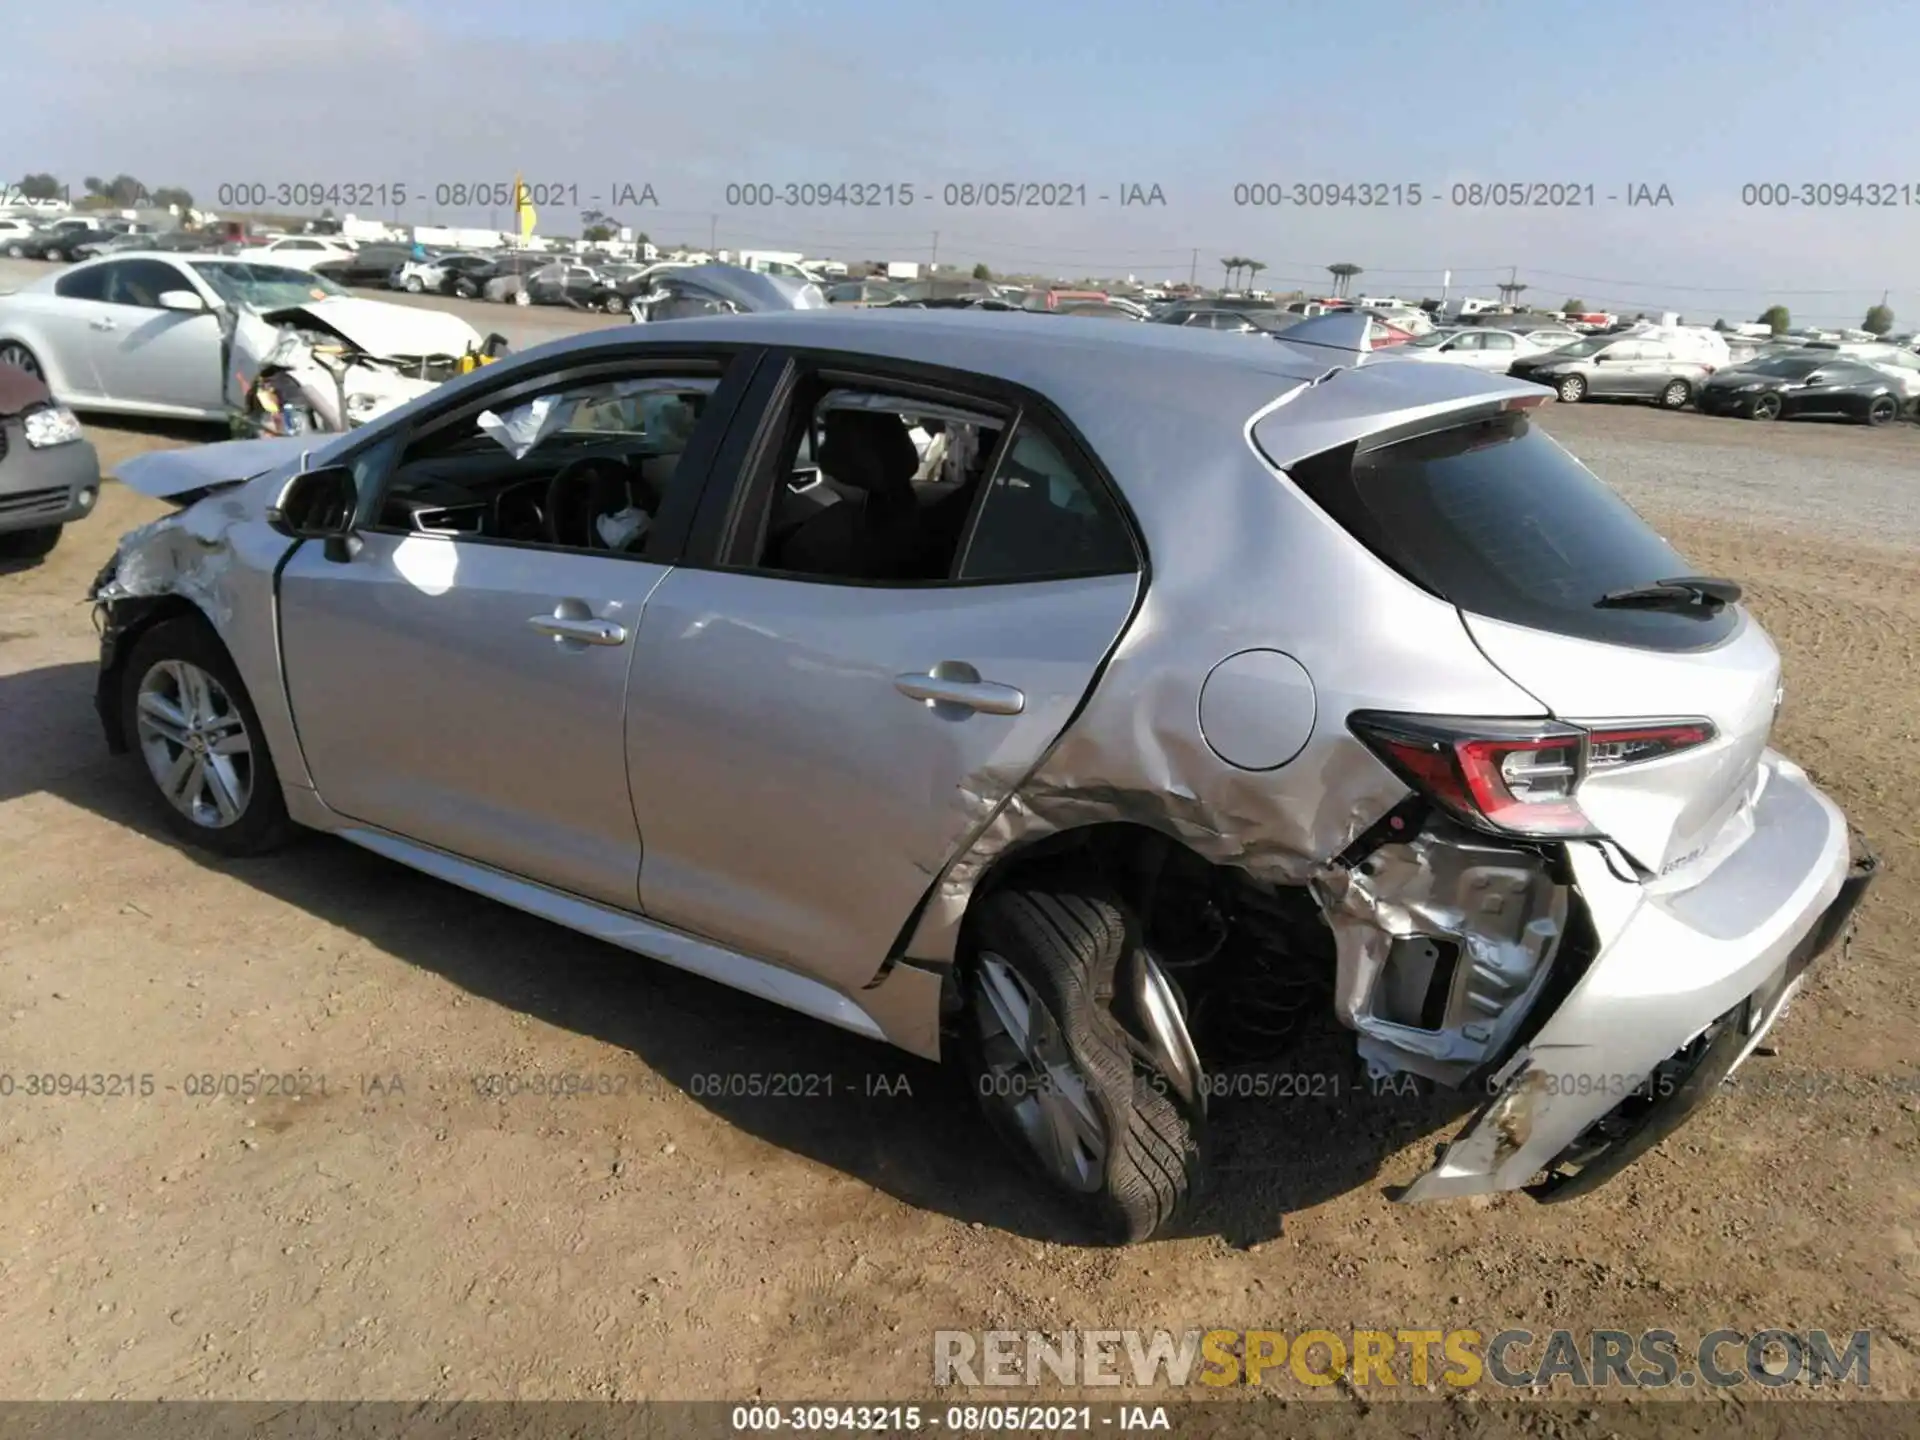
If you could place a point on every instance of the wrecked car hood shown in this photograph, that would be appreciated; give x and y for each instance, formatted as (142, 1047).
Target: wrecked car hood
(383, 330)
(172, 474)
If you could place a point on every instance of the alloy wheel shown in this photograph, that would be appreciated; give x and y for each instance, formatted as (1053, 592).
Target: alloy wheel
(1033, 1080)
(21, 358)
(195, 743)
(1765, 407)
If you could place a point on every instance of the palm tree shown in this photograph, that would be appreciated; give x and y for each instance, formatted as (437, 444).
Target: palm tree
(1343, 275)
(1230, 265)
(1254, 267)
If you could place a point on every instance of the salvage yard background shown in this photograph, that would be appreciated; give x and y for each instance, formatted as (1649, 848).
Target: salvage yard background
(407, 1235)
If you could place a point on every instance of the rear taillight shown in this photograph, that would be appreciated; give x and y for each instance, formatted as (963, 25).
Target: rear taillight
(1515, 777)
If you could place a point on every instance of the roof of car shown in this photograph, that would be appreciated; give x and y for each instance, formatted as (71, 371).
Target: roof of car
(1125, 385)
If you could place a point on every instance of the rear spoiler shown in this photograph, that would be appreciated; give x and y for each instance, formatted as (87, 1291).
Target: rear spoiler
(1345, 331)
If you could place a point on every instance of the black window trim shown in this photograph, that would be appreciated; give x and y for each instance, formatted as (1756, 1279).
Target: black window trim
(749, 457)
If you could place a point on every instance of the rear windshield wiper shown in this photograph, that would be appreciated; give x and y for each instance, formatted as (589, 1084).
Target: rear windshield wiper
(1682, 593)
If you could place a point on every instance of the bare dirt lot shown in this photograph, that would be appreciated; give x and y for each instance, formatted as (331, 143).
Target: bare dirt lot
(397, 1231)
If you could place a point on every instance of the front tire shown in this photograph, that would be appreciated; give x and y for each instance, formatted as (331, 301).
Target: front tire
(1764, 407)
(614, 305)
(1051, 1066)
(30, 544)
(186, 713)
(414, 285)
(1882, 410)
(56, 254)
(1572, 389)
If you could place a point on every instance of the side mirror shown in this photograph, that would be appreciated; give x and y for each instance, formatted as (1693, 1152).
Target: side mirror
(319, 505)
(186, 301)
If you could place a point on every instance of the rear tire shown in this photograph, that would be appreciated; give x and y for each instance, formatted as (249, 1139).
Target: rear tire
(30, 544)
(1125, 1157)
(171, 657)
(1676, 395)
(1572, 389)
(414, 285)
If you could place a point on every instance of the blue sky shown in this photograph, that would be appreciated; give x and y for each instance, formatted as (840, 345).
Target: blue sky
(1699, 97)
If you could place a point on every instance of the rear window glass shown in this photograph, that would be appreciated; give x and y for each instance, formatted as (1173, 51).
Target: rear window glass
(1496, 518)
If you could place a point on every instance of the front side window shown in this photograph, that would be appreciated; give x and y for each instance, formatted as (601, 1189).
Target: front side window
(584, 466)
(142, 283)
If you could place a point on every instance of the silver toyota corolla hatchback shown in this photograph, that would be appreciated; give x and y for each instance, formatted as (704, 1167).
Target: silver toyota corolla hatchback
(1073, 701)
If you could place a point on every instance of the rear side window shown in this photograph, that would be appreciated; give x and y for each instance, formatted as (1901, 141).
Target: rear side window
(1496, 518)
(87, 284)
(1045, 518)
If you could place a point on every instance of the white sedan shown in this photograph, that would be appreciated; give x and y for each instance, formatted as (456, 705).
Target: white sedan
(296, 252)
(188, 335)
(1480, 346)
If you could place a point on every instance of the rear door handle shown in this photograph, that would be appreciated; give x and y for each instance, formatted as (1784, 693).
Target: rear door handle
(103, 325)
(951, 683)
(582, 630)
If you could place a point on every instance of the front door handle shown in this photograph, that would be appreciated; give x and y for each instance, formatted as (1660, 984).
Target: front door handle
(579, 629)
(103, 325)
(955, 683)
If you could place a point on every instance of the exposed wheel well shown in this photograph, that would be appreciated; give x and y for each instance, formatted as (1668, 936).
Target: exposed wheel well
(126, 622)
(1251, 961)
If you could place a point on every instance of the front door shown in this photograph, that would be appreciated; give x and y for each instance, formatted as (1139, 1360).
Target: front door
(810, 747)
(461, 681)
(153, 355)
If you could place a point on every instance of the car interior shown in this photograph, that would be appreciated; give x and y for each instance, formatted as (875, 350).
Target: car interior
(878, 488)
(882, 489)
(585, 468)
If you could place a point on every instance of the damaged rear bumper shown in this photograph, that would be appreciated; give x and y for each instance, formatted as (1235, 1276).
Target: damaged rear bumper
(1681, 990)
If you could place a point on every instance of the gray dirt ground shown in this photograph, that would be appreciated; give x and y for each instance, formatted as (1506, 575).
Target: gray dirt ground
(422, 1239)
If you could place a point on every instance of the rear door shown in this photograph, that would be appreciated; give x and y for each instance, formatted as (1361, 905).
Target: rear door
(1497, 518)
(809, 748)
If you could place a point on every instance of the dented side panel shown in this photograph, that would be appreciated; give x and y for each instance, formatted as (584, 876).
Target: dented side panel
(1364, 636)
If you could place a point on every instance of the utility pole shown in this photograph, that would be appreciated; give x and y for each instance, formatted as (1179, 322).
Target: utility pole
(934, 263)
(713, 232)
(1193, 269)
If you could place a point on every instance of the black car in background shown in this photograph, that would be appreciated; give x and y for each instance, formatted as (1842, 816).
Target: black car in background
(371, 266)
(581, 286)
(1803, 386)
(58, 244)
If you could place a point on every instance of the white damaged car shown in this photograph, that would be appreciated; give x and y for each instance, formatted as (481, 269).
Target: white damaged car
(206, 337)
